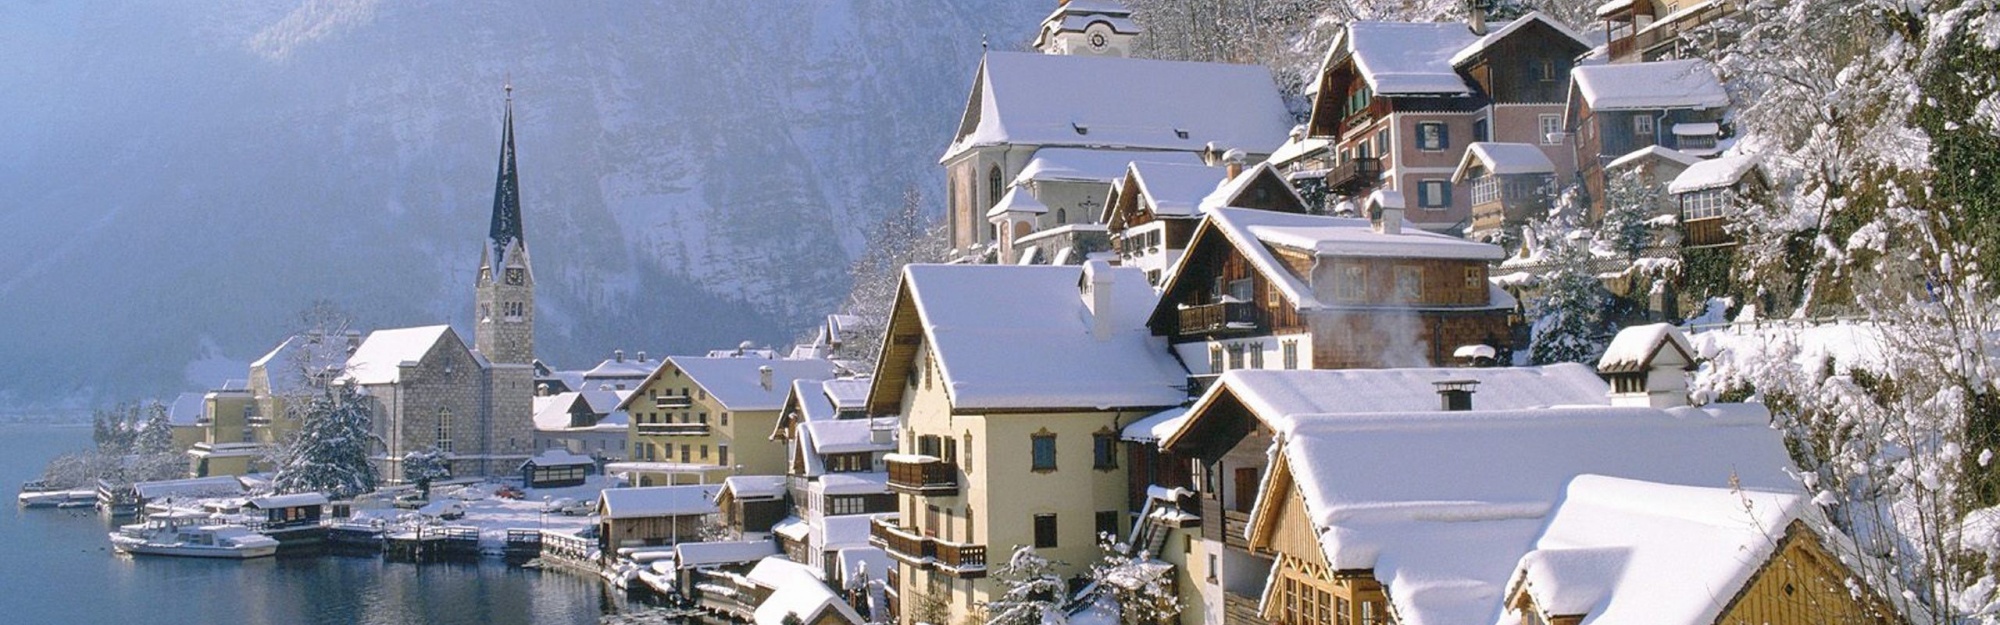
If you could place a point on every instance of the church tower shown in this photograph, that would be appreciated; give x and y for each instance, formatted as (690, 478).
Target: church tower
(1088, 28)
(505, 290)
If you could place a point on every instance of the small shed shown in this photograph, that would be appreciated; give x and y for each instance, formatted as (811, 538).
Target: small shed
(654, 515)
(556, 468)
(284, 511)
(751, 504)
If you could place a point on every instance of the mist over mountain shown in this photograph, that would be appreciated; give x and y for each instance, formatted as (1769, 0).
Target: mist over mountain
(177, 179)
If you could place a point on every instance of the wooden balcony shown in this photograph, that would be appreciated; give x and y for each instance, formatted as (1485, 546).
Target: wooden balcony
(1223, 318)
(930, 477)
(673, 429)
(1355, 175)
(1222, 524)
(666, 402)
(908, 546)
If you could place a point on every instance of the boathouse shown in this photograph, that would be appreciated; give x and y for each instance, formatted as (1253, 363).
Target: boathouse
(556, 468)
(654, 515)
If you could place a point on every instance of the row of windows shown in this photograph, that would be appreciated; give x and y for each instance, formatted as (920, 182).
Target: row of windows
(1250, 355)
(664, 452)
(681, 417)
(700, 393)
(1042, 451)
(1299, 603)
(1045, 527)
(1705, 204)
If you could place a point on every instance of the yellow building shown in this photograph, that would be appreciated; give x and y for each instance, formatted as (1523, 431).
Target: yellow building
(696, 420)
(1013, 383)
(227, 446)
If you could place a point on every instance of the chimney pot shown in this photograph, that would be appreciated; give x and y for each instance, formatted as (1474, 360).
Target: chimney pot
(764, 377)
(618, 355)
(642, 356)
(1455, 395)
(1232, 162)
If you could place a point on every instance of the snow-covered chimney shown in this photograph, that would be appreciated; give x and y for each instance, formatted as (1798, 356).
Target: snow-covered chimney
(1098, 280)
(618, 355)
(1648, 366)
(764, 377)
(1385, 207)
(642, 356)
(1475, 16)
(1232, 163)
(1455, 395)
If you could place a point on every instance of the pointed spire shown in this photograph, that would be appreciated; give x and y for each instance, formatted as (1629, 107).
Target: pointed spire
(506, 228)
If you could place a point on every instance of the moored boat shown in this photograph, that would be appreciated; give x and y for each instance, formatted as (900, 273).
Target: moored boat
(56, 498)
(170, 535)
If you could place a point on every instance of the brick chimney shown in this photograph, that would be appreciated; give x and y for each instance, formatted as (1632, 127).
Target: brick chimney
(1232, 163)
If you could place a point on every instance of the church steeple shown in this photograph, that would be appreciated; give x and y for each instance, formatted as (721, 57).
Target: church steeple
(506, 228)
(505, 291)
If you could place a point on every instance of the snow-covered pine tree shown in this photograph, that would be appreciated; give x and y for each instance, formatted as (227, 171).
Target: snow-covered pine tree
(424, 467)
(1629, 204)
(1569, 313)
(1031, 593)
(156, 435)
(1141, 586)
(330, 453)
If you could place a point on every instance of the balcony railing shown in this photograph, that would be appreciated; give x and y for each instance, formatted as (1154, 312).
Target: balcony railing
(673, 429)
(910, 547)
(665, 402)
(928, 476)
(1354, 175)
(1222, 317)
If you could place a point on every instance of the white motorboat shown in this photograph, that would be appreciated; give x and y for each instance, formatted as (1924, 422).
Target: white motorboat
(57, 498)
(168, 535)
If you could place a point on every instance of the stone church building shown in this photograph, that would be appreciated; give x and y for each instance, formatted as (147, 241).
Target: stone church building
(475, 402)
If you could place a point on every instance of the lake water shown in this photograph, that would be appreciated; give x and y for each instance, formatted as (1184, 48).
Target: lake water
(56, 566)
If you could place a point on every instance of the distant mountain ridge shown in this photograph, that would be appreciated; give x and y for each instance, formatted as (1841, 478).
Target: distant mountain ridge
(180, 180)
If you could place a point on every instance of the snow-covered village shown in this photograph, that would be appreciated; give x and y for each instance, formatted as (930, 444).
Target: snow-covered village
(1023, 312)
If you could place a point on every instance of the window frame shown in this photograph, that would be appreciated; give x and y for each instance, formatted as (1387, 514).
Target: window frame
(1434, 194)
(1036, 442)
(1440, 141)
(1104, 450)
(1642, 125)
(1052, 530)
(1542, 122)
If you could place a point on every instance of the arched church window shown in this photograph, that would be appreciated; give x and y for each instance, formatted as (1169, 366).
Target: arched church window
(993, 186)
(444, 430)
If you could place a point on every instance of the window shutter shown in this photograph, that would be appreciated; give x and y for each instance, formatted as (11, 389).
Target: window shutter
(1444, 137)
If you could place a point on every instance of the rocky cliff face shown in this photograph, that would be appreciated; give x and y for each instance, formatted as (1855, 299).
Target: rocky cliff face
(178, 180)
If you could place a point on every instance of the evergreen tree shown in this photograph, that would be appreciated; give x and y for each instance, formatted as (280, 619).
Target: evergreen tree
(424, 467)
(1031, 593)
(330, 454)
(156, 436)
(1570, 324)
(1628, 204)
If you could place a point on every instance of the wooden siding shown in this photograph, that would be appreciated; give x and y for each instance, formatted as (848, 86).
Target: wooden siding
(1508, 70)
(1363, 339)
(1443, 282)
(1800, 585)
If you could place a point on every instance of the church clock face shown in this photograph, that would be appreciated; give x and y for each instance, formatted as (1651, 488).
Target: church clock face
(515, 276)
(1097, 41)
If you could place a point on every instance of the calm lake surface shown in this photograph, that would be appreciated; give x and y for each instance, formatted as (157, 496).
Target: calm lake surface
(56, 566)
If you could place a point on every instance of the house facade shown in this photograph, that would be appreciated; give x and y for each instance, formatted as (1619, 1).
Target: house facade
(1616, 110)
(700, 419)
(1153, 212)
(1267, 290)
(1398, 102)
(1013, 383)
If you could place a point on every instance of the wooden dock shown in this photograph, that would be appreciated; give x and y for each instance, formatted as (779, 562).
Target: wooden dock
(428, 544)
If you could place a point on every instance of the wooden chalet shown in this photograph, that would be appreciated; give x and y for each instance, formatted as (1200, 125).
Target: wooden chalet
(1651, 30)
(1266, 290)
(751, 504)
(1401, 101)
(1710, 192)
(1512, 184)
(653, 515)
(1615, 110)
(1153, 212)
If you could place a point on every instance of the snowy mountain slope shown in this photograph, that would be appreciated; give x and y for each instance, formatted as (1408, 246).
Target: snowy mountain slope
(693, 174)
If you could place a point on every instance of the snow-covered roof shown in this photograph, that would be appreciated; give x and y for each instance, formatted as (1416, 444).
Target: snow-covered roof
(846, 393)
(796, 591)
(1298, 147)
(1682, 84)
(380, 357)
(1697, 129)
(1176, 190)
(1017, 200)
(283, 365)
(1634, 348)
(1112, 102)
(190, 487)
(1157, 426)
(1621, 550)
(755, 486)
(1230, 191)
(872, 562)
(794, 528)
(559, 458)
(696, 554)
(1022, 337)
(847, 530)
(1480, 45)
(1250, 231)
(1408, 58)
(1614, 6)
(736, 382)
(844, 436)
(1088, 165)
(1280, 396)
(651, 501)
(294, 500)
(186, 409)
(1653, 151)
(864, 483)
(1714, 173)
(552, 413)
(622, 367)
(1445, 537)
(1504, 159)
